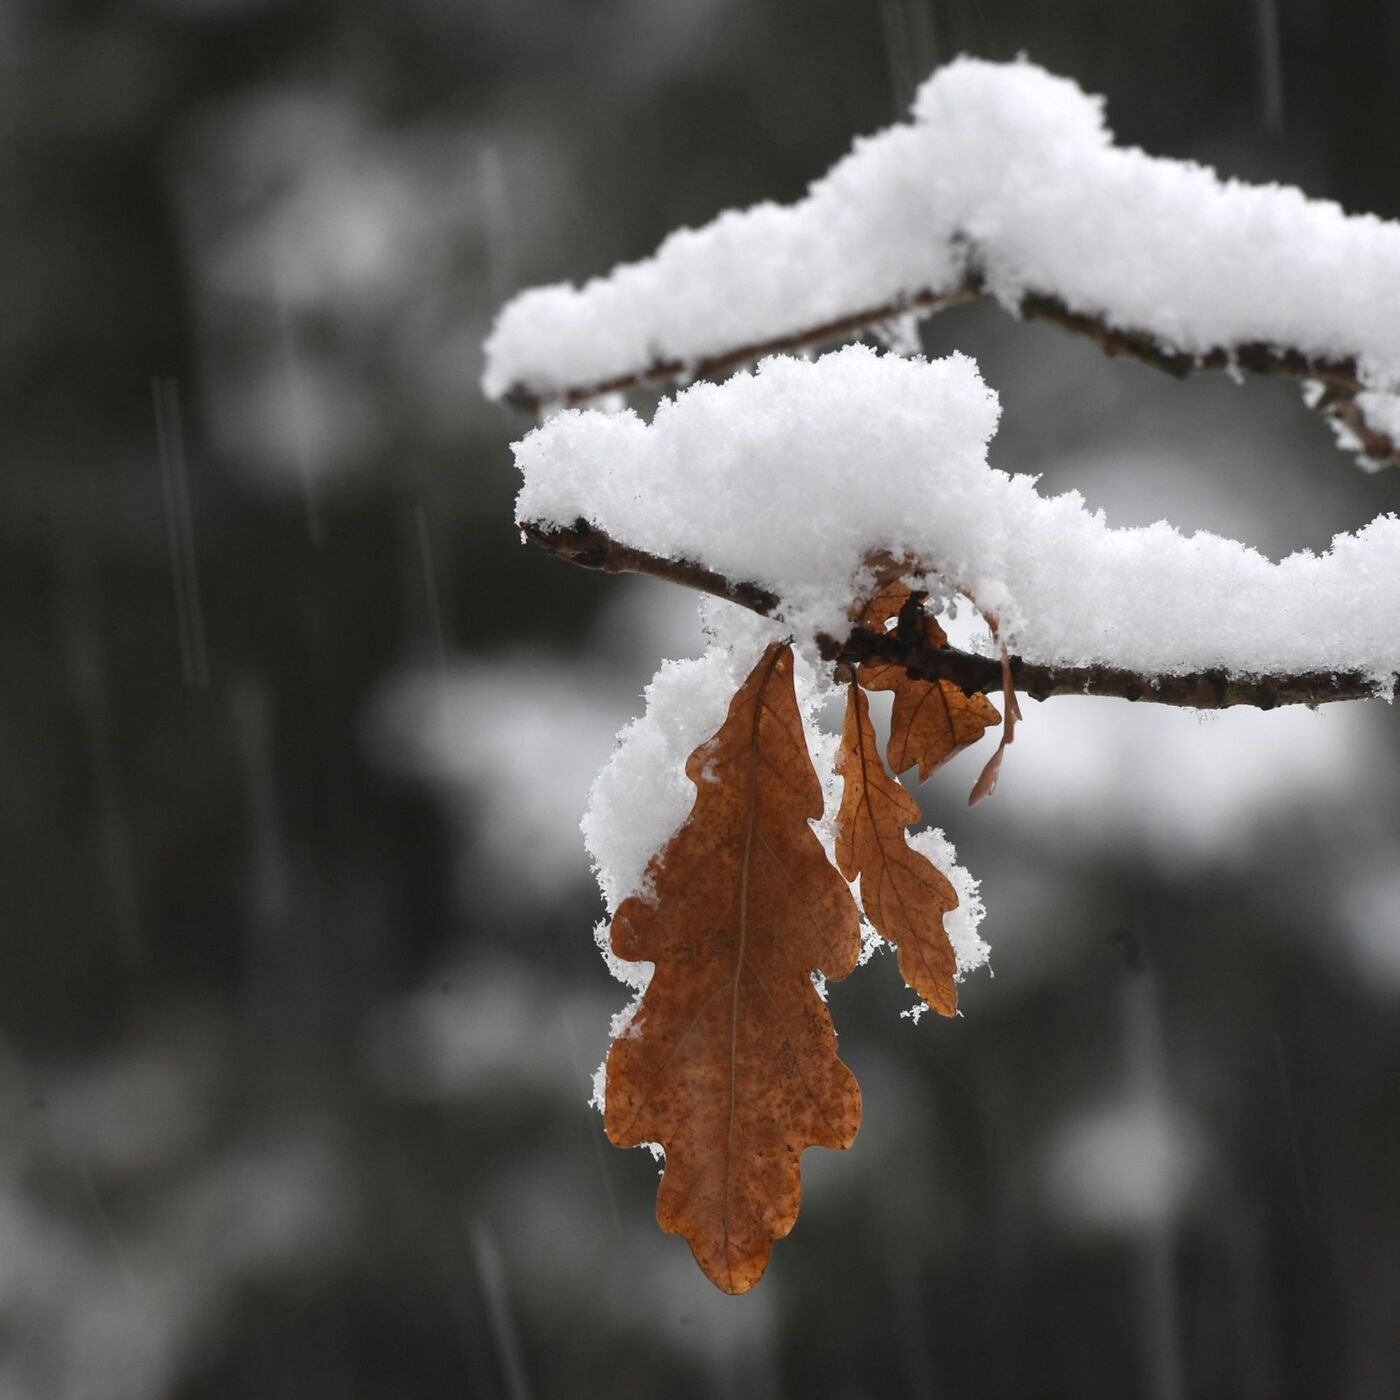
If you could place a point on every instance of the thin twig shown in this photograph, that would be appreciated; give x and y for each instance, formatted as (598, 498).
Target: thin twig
(532, 400)
(1215, 689)
(1339, 377)
(590, 548)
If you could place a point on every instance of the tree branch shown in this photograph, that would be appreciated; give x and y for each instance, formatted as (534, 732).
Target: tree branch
(531, 400)
(1339, 378)
(584, 544)
(589, 548)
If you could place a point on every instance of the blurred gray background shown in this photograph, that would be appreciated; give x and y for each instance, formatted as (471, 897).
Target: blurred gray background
(299, 1001)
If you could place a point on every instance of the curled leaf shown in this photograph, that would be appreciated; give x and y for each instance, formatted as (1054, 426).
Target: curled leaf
(730, 1062)
(986, 783)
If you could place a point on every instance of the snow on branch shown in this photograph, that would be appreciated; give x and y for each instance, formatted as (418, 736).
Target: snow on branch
(776, 488)
(1005, 183)
(587, 546)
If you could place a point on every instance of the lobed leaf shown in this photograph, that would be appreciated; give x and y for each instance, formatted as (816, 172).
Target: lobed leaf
(904, 895)
(730, 1062)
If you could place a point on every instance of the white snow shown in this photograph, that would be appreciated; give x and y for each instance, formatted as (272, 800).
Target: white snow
(642, 796)
(1381, 412)
(961, 924)
(790, 476)
(1005, 170)
(969, 948)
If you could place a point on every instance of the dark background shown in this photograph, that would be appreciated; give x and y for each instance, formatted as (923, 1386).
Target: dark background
(298, 998)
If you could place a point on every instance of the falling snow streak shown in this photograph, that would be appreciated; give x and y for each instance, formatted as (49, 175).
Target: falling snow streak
(500, 233)
(986, 28)
(1270, 64)
(911, 47)
(430, 591)
(109, 1231)
(491, 1280)
(584, 1075)
(179, 525)
(296, 400)
(1157, 1287)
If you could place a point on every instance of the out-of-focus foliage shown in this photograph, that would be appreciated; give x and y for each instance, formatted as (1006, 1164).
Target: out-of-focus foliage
(293, 1098)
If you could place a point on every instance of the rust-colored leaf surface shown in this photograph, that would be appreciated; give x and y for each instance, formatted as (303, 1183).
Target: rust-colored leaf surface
(904, 894)
(986, 783)
(932, 720)
(730, 1062)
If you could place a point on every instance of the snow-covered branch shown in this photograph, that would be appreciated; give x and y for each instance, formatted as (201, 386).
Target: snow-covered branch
(1215, 689)
(715, 366)
(1005, 183)
(777, 488)
(1334, 387)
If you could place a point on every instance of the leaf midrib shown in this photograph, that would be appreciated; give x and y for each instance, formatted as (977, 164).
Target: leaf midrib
(741, 949)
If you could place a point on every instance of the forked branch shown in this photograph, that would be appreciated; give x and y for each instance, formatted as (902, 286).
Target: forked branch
(1215, 689)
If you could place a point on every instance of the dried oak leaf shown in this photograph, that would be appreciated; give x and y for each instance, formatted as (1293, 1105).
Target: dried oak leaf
(932, 720)
(904, 894)
(730, 1062)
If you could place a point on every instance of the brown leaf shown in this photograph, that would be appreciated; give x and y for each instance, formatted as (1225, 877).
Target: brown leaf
(932, 720)
(986, 783)
(905, 896)
(730, 1062)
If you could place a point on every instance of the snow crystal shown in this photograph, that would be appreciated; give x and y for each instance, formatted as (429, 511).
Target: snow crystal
(1008, 172)
(789, 476)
